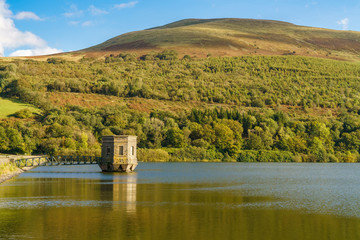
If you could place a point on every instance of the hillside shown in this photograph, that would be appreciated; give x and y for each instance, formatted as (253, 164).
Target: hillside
(235, 37)
(197, 107)
(249, 108)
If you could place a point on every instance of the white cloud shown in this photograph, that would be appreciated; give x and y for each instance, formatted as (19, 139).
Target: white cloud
(126, 5)
(27, 15)
(73, 12)
(4, 10)
(74, 23)
(96, 11)
(12, 38)
(87, 24)
(344, 23)
(35, 52)
(84, 24)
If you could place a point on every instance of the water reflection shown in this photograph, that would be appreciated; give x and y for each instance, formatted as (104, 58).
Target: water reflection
(124, 191)
(182, 201)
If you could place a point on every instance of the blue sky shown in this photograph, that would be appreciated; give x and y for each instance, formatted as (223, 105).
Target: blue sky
(33, 27)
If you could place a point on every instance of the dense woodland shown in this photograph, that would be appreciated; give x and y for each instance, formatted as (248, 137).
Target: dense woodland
(244, 122)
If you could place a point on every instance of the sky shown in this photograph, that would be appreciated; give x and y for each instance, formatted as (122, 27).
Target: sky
(38, 27)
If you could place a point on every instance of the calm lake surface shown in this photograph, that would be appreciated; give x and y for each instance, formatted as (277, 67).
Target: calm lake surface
(184, 201)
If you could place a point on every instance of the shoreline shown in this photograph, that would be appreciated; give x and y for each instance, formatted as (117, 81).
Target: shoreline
(17, 172)
(9, 169)
(6, 177)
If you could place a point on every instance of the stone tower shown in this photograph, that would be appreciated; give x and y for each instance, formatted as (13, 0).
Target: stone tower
(118, 154)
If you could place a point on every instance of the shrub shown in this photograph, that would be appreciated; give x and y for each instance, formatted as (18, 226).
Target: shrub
(55, 60)
(265, 156)
(152, 155)
(24, 113)
(168, 55)
(186, 57)
(194, 154)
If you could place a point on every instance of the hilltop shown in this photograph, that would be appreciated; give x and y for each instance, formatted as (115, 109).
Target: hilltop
(235, 37)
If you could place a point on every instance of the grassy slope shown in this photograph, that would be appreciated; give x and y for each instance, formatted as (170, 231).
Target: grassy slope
(8, 107)
(233, 37)
(172, 86)
(150, 105)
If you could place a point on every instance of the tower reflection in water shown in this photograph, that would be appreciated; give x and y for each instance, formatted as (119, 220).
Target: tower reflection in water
(124, 192)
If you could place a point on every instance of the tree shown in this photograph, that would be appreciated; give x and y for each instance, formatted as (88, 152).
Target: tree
(174, 138)
(351, 141)
(317, 148)
(154, 130)
(16, 142)
(224, 136)
(259, 139)
(4, 141)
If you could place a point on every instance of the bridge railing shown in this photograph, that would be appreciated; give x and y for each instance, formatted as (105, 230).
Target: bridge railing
(56, 161)
(30, 162)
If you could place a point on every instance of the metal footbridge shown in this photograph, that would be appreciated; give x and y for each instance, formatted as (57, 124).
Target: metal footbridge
(57, 160)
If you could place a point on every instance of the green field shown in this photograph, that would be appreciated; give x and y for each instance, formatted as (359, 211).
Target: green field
(9, 107)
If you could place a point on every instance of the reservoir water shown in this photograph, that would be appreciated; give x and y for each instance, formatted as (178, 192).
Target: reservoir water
(247, 201)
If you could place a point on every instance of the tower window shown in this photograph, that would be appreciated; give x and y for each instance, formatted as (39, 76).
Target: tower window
(121, 150)
(108, 151)
(132, 150)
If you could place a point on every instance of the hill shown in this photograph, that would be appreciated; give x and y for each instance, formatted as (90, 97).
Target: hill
(249, 108)
(231, 108)
(235, 37)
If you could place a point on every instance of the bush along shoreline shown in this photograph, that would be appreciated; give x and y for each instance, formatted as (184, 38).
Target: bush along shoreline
(261, 156)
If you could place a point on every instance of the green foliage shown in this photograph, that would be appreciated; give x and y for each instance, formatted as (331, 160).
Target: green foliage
(152, 155)
(265, 156)
(167, 55)
(192, 153)
(24, 113)
(56, 60)
(127, 57)
(187, 57)
(174, 138)
(243, 129)
(246, 81)
(164, 55)
(7, 168)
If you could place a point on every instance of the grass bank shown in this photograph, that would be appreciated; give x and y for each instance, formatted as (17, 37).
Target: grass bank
(8, 170)
(9, 107)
